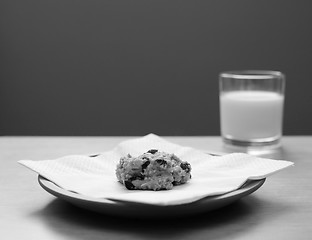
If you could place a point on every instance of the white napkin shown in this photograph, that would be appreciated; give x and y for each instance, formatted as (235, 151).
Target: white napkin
(95, 176)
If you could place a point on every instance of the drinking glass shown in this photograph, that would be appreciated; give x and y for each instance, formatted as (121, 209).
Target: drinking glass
(251, 107)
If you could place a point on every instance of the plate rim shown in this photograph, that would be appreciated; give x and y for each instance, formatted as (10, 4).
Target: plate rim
(124, 208)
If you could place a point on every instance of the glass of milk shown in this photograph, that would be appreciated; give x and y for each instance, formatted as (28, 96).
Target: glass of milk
(251, 108)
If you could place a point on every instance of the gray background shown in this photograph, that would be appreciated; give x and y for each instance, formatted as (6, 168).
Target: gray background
(122, 67)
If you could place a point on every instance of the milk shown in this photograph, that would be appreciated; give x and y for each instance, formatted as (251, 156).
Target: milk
(251, 115)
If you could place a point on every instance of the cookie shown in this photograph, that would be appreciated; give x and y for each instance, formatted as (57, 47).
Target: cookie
(153, 170)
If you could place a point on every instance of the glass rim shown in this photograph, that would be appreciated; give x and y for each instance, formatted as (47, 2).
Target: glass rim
(252, 74)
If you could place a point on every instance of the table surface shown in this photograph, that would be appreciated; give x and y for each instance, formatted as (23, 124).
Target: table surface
(280, 209)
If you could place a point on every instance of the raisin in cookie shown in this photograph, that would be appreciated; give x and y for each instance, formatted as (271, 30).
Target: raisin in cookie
(153, 170)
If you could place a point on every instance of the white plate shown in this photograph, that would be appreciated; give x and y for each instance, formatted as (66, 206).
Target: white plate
(131, 209)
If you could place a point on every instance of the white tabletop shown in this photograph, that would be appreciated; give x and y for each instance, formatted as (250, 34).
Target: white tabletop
(280, 209)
